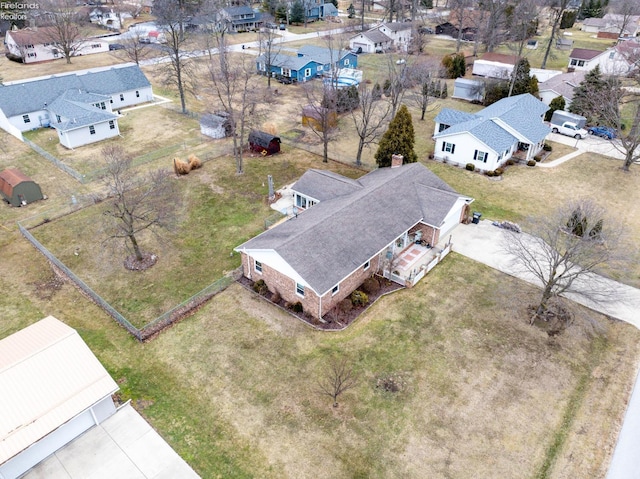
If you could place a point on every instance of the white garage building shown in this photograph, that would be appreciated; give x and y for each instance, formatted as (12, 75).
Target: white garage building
(53, 390)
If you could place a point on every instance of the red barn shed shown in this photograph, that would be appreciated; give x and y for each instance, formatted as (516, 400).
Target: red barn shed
(264, 143)
(18, 189)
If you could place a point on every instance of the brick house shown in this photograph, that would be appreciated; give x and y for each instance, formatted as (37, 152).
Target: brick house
(345, 230)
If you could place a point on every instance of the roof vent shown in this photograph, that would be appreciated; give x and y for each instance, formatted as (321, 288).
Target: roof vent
(396, 160)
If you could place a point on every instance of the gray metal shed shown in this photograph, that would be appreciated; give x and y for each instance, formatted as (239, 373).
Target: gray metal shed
(470, 90)
(18, 189)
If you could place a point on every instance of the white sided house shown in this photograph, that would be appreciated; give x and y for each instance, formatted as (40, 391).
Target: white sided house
(487, 139)
(620, 60)
(81, 106)
(560, 85)
(383, 37)
(345, 230)
(33, 45)
(53, 390)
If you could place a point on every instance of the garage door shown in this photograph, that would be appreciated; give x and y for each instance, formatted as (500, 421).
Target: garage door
(364, 46)
(47, 446)
(451, 221)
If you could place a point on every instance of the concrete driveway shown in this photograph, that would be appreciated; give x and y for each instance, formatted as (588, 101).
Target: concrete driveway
(592, 144)
(124, 446)
(483, 242)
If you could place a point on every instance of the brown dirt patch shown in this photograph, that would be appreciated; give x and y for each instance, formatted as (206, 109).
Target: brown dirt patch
(134, 264)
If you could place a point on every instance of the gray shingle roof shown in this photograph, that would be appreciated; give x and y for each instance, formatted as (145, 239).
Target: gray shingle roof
(345, 231)
(77, 113)
(323, 185)
(376, 36)
(451, 117)
(29, 96)
(321, 54)
(521, 112)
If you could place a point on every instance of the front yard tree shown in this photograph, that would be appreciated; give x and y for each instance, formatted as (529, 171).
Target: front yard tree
(521, 79)
(179, 70)
(455, 65)
(399, 139)
(557, 9)
(339, 378)
(321, 110)
(134, 50)
(297, 14)
(136, 203)
(565, 251)
(369, 119)
(269, 50)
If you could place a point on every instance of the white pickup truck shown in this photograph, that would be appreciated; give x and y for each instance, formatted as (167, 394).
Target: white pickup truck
(570, 129)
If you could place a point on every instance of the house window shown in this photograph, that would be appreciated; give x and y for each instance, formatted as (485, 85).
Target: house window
(103, 106)
(26, 118)
(300, 289)
(335, 290)
(449, 147)
(92, 130)
(29, 46)
(301, 201)
(442, 127)
(31, 55)
(121, 97)
(611, 55)
(58, 118)
(307, 72)
(577, 63)
(257, 265)
(137, 94)
(112, 125)
(481, 156)
(95, 45)
(286, 72)
(366, 265)
(346, 61)
(111, 101)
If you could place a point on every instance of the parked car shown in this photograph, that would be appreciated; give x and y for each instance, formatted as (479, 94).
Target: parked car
(425, 30)
(570, 129)
(357, 51)
(116, 46)
(271, 25)
(285, 80)
(283, 26)
(602, 132)
(144, 40)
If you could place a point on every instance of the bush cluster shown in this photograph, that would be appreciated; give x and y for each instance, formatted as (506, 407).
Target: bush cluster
(470, 167)
(510, 162)
(359, 298)
(260, 287)
(498, 171)
(547, 147)
(371, 286)
(531, 163)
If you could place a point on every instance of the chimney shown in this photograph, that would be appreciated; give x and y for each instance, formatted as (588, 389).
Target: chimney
(396, 160)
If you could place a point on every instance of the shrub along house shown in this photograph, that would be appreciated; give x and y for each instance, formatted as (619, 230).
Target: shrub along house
(488, 139)
(346, 230)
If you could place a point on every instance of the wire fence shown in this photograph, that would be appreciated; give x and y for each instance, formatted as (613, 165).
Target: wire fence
(153, 327)
(216, 149)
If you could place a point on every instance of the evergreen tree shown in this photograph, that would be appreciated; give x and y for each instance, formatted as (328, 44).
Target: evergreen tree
(568, 19)
(443, 91)
(455, 65)
(557, 103)
(521, 78)
(297, 12)
(398, 139)
(281, 12)
(585, 97)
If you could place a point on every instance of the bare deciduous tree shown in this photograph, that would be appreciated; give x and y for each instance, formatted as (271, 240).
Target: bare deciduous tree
(179, 70)
(557, 8)
(270, 46)
(136, 202)
(134, 50)
(399, 80)
(321, 112)
(64, 30)
(233, 82)
(339, 378)
(626, 10)
(423, 76)
(370, 118)
(565, 251)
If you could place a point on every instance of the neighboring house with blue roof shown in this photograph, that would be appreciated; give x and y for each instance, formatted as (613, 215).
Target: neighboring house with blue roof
(310, 62)
(239, 19)
(487, 139)
(78, 105)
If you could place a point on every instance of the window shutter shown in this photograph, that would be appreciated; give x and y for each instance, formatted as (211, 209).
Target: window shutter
(453, 149)
(475, 155)
(443, 144)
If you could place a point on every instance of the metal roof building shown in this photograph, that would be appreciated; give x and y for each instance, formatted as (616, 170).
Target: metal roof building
(53, 389)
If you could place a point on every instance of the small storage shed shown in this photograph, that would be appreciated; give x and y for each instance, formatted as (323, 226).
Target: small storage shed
(18, 189)
(264, 143)
(53, 390)
(470, 90)
(215, 125)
